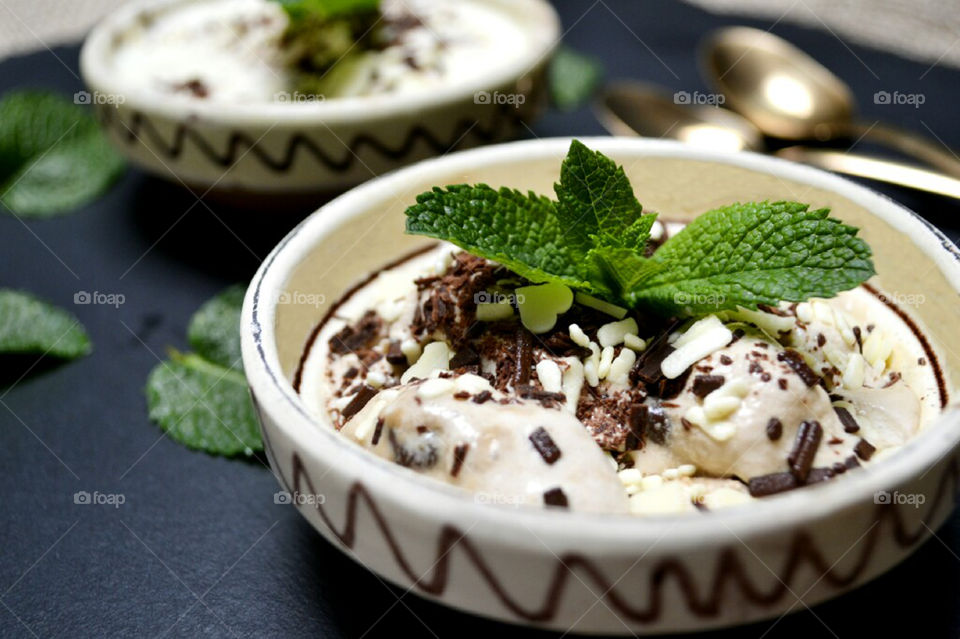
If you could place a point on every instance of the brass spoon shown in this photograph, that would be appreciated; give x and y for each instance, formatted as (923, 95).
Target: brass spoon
(632, 108)
(789, 95)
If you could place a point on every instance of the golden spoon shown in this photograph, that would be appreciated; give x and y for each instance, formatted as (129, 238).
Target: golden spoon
(633, 108)
(789, 95)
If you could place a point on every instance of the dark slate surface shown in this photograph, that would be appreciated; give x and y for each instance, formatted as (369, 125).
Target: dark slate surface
(199, 548)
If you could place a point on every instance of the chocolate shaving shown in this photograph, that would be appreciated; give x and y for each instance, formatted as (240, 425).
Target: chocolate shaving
(864, 450)
(726, 360)
(461, 395)
(362, 335)
(395, 354)
(782, 383)
(647, 368)
(377, 432)
(459, 454)
(804, 449)
(650, 421)
(795, 360)
(774, 429)
(850, 424)
(423, 456)
(524, 357)
(771, 484)
(364, 395)
(542, 441)
(545, 397)
(555, 497)
(482, 397)
(703, 385)
(466, 356)
(858, 334)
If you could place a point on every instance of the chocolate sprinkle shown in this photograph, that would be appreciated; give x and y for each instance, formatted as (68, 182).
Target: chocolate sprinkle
(459, 454)
(544, 444)
(795, 360)
(395, 355)
(482, 397)
(774, 429)
(850, 424)
(804, 449)
(359, 336)
(364, 395)
(377, 432)
(555, 497)
(864, 450)
(771, 484)
(524, 357)
(461, 395)
(703, 385)
(466, 356)
(782, 383)
(726, 360)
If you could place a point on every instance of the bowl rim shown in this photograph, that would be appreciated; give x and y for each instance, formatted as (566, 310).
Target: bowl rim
(433, 500)
(542, 25)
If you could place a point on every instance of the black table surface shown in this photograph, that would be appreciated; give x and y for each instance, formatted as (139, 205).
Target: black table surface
(199, 548)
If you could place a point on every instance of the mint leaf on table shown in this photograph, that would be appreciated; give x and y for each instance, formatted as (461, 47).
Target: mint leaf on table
(214, 331)
(29, 325)
(595, 238)
(754, 253)
(53, 157)
(203, 406)
(201, 399)
(521, 232)
(573, 77)
(597, 204)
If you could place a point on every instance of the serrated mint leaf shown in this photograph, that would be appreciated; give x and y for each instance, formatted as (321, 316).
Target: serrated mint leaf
(214, 331)
(53, 157)
(203, 406)
(65, 177)
(573, 77)
(30, 325)
(754, 253)
(521, 232)
(596, 204)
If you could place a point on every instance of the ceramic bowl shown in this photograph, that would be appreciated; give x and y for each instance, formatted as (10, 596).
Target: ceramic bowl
(260, 152)
(582, 572)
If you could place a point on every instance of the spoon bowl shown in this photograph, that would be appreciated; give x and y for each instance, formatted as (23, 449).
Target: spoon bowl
(633, 108)
(778, 87)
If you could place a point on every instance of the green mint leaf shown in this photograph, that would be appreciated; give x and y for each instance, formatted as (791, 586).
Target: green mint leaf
(30, 325)
(214, 331)
(754, 253)
(203, 406)
(201, 399)
(521, 232)
(597, 204)
(573, 77)
(63, 178)
(53, 157)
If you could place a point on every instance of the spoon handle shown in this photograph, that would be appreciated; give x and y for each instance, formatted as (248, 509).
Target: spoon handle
(917, 146)
(875, 169)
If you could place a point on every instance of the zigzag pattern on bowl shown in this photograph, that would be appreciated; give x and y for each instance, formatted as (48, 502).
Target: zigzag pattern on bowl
(141, 129)
(729, 569)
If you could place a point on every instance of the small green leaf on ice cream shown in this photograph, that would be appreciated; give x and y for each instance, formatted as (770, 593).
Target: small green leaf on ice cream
(540, 305)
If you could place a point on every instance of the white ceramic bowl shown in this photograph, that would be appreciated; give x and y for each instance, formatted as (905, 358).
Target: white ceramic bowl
(299, 149)
(594, 573)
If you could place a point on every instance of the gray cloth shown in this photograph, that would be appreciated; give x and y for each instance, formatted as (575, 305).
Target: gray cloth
(926, 30)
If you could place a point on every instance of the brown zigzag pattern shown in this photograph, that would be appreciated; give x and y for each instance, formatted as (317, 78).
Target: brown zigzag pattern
(730, 572)
(141, 129)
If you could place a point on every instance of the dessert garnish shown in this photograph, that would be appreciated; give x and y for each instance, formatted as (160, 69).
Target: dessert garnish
(594, 239)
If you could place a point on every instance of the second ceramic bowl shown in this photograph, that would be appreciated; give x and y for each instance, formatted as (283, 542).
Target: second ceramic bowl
(257, 153)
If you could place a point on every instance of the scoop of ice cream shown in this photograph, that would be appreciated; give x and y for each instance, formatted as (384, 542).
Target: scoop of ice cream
(742, 406)
(456, 430)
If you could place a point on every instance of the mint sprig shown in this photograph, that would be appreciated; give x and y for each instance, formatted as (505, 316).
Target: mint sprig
(201, 399)
(594, 238)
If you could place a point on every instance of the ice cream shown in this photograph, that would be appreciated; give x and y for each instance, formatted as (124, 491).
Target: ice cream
(427, 365)
(231, 51)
